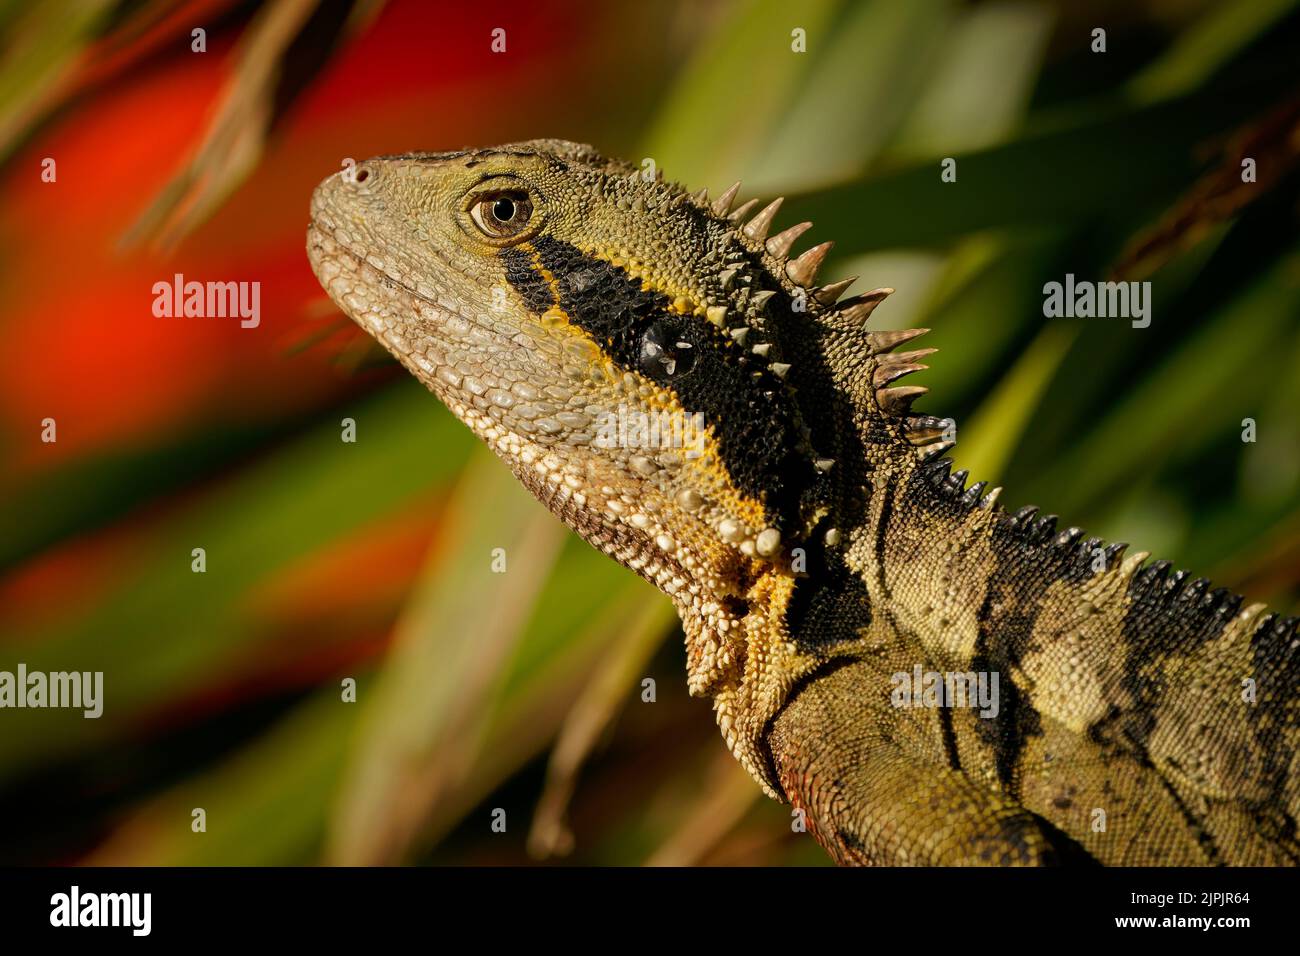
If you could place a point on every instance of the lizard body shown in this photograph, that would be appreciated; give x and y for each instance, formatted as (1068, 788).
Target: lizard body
(803, 520)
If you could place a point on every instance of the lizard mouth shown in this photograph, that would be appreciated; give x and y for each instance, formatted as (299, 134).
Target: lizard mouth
(324, 248)
(331, 260)
(373, 300)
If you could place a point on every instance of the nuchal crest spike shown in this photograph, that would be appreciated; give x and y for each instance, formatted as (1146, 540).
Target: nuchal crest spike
(779, 245)
(757, 227)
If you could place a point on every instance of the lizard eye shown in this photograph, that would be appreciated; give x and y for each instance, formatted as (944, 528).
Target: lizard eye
(502, 215)
(663, 354)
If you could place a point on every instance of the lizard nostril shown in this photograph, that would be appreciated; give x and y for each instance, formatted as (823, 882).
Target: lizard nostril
(363, 174)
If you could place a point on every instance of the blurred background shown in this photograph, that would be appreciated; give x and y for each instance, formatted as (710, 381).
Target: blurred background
(521, 697)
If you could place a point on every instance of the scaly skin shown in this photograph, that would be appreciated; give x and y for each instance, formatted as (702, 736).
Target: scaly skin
(808, 531)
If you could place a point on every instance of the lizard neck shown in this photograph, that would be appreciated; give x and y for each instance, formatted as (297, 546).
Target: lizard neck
(790, 618)
(926, 552)
(741, 653)
(871, 595)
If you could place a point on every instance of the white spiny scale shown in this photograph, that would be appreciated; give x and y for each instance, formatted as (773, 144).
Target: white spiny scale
(859, 308)
(757, 227)
(887, 372)
(722, 205)
(829, 294)
(738, 214)
(884, 341)
(803, 271)
(897, 399)
(913, 356)
(779, 245)
(760, 298)
(740, 334)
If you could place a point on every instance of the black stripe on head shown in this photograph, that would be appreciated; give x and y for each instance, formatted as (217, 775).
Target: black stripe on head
(752, 416)
(525, 279)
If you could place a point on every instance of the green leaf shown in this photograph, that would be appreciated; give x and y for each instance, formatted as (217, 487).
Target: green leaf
(1058, 177)
(995, 430)
(875, 60)
(423, 721)
(1184, 396)
(709, 132)
(981, 81)
(164, 631)
(1222, 32)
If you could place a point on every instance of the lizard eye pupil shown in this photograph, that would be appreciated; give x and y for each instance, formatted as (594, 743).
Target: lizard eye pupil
(503, 210)
(502, 216)
(664, 355)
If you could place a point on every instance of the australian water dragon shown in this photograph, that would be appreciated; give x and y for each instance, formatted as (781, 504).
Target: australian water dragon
(808, 529)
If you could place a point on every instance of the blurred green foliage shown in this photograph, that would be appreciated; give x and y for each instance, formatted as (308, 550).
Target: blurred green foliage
(1065, 159)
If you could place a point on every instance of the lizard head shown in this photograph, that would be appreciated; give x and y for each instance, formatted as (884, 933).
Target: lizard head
(651, 365)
